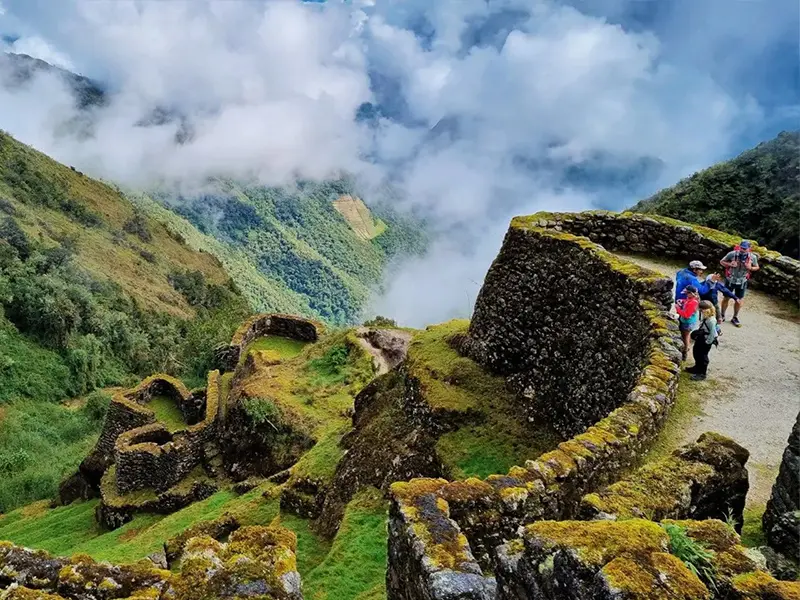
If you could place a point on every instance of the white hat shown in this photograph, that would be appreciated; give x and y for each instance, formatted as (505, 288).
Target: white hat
(696, 264)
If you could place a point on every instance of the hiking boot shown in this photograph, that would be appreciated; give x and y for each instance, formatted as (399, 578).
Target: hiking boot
(735, 322)
(690, 369)
(698, 377)
(722, 319)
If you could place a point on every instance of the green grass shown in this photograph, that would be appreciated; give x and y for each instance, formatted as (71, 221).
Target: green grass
(311, 548)
(167, 412)
(688, 405)
(56, 530)
(320, 462)
(752, 532)
(285, 347)
(493, 435)
(356, 563)
(40, 444)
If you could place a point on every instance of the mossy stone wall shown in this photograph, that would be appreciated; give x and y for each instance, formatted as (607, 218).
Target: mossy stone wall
(662, 236)
(782, 516)
(288, 326)
(563, 324)
(443, 535)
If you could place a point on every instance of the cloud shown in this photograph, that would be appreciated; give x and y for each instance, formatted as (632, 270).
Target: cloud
(475, 111)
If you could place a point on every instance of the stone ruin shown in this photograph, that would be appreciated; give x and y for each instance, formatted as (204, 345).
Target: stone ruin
(138, 465)
(585, 340)
(255, 562)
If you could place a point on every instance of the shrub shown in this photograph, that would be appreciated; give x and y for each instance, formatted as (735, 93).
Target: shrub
(380, 321)
(96, 406)
(11, 232)
(137, 225)
(262, 410)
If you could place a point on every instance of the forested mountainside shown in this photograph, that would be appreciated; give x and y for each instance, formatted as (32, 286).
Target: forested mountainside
(317, 241)
(93, 293)
(756, 195)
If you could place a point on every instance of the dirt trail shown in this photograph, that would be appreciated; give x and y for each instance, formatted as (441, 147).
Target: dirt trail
(754, 376)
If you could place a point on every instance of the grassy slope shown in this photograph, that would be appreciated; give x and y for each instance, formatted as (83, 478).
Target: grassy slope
(754, 195)
(97, 251)
(41, 442)
(492, 436)
(297, 241)
(354, 563)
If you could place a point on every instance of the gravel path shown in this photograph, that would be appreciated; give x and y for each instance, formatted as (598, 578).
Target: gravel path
(754, 376)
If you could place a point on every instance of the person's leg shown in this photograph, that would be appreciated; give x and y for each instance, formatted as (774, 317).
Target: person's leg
(725, 301)
(700, 353)
(715, 302)
(686, 335)
(738, 291)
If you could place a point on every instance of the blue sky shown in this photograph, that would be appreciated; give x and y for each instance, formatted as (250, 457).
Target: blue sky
(539, 104)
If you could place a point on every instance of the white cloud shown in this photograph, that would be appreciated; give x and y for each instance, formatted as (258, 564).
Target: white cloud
(39, 48)
(272, 88)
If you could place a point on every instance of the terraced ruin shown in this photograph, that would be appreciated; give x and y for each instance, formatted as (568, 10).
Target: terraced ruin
(509, 452)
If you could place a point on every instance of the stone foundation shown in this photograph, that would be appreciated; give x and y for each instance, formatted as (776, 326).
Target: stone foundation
(782, 517)
(256, 562)
(703, 480)
(288, 326)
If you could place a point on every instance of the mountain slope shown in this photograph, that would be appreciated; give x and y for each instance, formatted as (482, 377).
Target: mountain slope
(299, 237)
(756, 195)
(93, 293)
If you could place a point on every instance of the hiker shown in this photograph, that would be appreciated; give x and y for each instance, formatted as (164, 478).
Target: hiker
(691, 276)
(717, 288)
(686, 308)
(739, 263)
(704, 337)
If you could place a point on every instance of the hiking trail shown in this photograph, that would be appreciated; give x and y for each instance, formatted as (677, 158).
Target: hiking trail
(752, 394)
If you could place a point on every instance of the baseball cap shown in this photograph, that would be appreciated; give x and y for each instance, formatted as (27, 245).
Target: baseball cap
(696, 264)
(744, 244)
(690, 289)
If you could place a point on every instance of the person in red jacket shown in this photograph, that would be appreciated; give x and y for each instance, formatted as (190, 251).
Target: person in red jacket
(686, 307)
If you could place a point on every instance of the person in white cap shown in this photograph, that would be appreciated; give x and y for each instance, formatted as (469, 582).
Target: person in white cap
(693, 275)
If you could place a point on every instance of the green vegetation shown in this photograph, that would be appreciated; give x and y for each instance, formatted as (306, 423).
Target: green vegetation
(755, 195)
(40, 443)
(688, 404)
(284, 347)
(493, 434)
(752, 529)
(696, 557)
(93, 293)
(356, 563)
(292, 250)
(167, 412)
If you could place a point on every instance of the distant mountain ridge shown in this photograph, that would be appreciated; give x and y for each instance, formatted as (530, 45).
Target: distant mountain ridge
(755, 195)
(291, 248)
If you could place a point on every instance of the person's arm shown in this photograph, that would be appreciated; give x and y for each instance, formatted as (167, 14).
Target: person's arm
(703, 287)
(726, 292)
(754, 263)
(728, 260)
(711, 323)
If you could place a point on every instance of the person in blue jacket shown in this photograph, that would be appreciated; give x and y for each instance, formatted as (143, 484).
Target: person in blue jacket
(692, 275)
(717, 288)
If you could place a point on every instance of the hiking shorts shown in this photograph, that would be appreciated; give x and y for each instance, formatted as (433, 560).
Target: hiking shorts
(737, 289)
(688, 324)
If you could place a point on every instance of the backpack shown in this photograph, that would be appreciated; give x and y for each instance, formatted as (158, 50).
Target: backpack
(747, 263)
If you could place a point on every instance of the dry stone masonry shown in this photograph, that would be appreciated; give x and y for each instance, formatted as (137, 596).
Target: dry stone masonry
(459, 540)
(288, 326)
(782, 516)
(256, 562)
(662, 236)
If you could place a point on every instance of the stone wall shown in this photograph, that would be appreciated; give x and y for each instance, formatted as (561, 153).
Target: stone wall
(662, 236)
(562, 320)
(442, 534)
(287, 326)
(703, 480)
(609, 560)
(255, 562)
(782, 516)
(152, 457)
